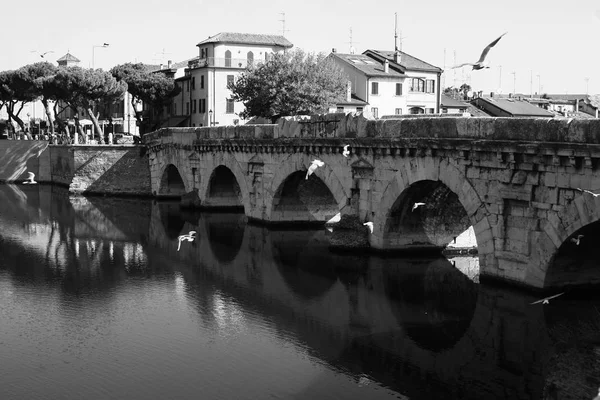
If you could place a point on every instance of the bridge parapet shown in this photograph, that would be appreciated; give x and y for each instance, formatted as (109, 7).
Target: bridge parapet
(358, 126)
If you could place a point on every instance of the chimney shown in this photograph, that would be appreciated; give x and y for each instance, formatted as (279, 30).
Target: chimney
(334, 50)
(491, 94)
(397, 57)
(169, 63)
(349, 91)
(160, 67)
(386, 66)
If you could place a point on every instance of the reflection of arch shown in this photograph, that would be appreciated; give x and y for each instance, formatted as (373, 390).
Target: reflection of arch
(170, 218)
(223, 189)
(171, 182)
(427, 168)
(433, 225)
(300, 162)
(228, 58)
(308, 274)
(225, 233)
(434, 302)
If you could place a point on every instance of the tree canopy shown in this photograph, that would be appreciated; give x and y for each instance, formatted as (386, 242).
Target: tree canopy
(289, 83)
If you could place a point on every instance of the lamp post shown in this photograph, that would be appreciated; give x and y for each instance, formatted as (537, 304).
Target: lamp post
(94, 50)
(210, 113)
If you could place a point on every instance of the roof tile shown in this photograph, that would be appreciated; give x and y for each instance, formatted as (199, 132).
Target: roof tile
(248, 38)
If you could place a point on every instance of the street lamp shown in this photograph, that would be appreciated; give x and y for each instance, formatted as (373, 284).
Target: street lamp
(210, 113)
(94, 50)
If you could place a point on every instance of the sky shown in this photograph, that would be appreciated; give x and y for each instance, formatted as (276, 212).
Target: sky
(551, 46)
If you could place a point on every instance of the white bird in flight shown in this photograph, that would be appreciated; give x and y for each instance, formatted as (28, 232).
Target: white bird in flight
(346, 152)
(189, 237)
(547, 299)
(42, 54)
(416, 205)
(480, 64)
(369, 225)
(577, 240)
(30, 180)
(315, 164)
(587, 191)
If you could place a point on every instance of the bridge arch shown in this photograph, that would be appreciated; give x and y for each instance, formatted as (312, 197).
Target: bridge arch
(171, 183)
(226, 165)
(292, 173)
(439, 172)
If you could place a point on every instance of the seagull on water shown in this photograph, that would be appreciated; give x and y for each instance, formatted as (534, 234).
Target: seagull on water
(480, 64)
(577, 240)
(416, 205)
(346, 152)
(547, 299)
(315, 164)
(189, 237)
(30, 180)
(587, 191)
(369, 225)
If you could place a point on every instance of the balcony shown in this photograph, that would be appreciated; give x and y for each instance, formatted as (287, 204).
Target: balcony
(234, 63)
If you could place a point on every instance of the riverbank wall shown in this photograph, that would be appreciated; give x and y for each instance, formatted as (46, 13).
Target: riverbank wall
(120, 170)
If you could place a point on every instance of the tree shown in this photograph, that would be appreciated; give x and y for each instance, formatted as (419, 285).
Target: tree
(153, 89)
(289, 83)
(84, 88)
(464, 89)
(12, 97)
(33, 79)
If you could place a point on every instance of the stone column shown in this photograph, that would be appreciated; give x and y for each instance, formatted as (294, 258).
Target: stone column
(256, 167)
(361, 201)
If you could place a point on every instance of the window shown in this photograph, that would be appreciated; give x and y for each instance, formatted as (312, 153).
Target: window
(375, 112)
(375, 88)
(201, 81)
(417, 110)
(194, 110)
(444, 110)
(266, 56)
(187, 108)
(430, 86)
(398, 89)
(203, 106)
(398, 111)
(193, 83)
(359, 109)
(228, 58)
(340, 109)
(250, 58)
(417, 85)
(229, 80)
(430, 111)
(202, 53)
(229, 108)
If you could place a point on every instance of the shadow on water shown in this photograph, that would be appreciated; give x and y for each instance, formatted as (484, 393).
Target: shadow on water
(415, 326)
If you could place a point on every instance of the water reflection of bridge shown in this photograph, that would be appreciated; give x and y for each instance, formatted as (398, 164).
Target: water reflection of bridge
(424, 331)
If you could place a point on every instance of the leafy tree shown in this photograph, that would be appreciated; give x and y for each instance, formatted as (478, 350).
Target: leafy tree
(83, 88)
(12, 97)
(289, 83)
(464, 89)
(153, 89)
(32, 79)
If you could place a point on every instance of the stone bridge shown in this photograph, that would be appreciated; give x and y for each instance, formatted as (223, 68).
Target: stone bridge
(513, 182)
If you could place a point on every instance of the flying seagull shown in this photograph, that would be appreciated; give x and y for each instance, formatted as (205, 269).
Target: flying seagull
(315, 164)
(547, 299)
(42, 54)
(369, 225)
(30, 180)
(480, 64)
(577, 240)
(414, 207)
(587, 191)
(346, 152)
(189, 237)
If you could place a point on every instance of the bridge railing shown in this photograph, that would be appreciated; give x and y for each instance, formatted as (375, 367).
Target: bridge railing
(339, 125)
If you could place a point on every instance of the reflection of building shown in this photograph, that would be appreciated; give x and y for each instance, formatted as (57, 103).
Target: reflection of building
(390, 82)
(204, 96)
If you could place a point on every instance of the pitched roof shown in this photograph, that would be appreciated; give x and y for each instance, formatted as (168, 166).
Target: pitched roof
(406, 60)
(367, 65)
(177, 65)
(448, 101)
(248, 38)
(354, 101)
(68, 57)
(517, 108)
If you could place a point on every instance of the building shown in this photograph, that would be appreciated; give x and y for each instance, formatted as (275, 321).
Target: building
(452, 106)
(222, 57)
(390, 83)
(509, 107)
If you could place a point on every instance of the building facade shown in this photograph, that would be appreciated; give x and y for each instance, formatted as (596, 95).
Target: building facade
(204, 96)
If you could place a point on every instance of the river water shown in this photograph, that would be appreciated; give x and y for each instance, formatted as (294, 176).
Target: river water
(98, 302)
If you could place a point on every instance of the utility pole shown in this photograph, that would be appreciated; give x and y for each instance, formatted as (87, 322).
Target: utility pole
(444, 73)
(500, 79)
(454, 69)
(514, 82)
(283, 30)
(539, 86)
(531, 84)
(587, 83)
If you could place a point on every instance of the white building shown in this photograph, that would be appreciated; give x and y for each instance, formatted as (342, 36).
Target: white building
(205, 97)
(390, 83)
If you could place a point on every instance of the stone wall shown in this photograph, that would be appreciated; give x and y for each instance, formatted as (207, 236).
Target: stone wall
(20, 156)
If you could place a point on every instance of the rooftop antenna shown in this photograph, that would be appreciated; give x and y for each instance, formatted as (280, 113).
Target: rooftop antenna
(161, 54)
(352, 50)
(396, 32)
(454, 69)
(283, 30)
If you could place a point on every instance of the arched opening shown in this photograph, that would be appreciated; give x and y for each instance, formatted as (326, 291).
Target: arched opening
(417, 110)
(428, 216)
(223, 190)
(575, 264)
(171, 183)
(225, 234)
(228, 58)
(302, 200)
(433, 301)
(250, 58)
